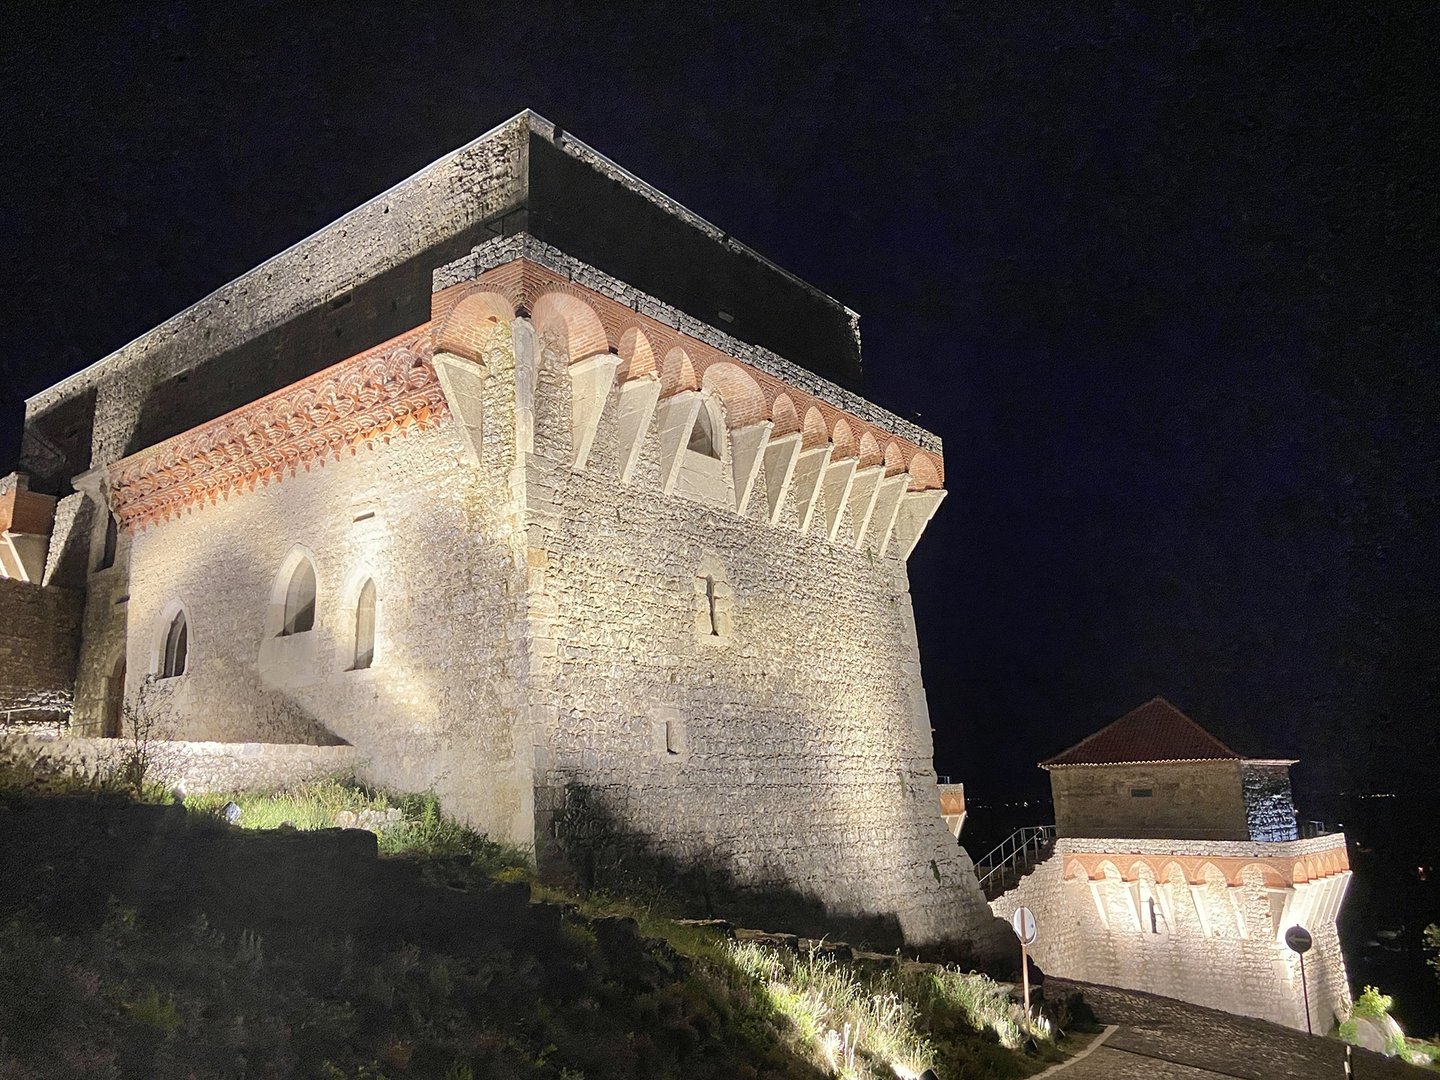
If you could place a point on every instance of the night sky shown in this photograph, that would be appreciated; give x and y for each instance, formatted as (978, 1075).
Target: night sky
(1165, 284)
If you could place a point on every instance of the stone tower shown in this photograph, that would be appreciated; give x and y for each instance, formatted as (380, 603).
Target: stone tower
(524, 484)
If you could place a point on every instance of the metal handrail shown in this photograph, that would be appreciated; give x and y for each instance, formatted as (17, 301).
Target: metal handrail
(1014, 847)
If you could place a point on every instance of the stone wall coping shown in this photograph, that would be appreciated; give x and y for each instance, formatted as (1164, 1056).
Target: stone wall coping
(220, 749)
(1259, 849)
(117, 359)
(502, 250)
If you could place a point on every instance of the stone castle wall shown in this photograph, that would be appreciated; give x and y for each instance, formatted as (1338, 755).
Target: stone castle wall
(199, 766)
(1203, 800)
(1212, 943)
(39, 636)
(438, 707)
(791, 751)
(544, 655)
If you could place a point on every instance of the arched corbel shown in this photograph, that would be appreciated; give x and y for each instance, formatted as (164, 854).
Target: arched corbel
(463, 384)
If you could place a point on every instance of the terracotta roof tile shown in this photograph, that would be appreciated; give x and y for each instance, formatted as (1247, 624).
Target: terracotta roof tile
(1156, 731)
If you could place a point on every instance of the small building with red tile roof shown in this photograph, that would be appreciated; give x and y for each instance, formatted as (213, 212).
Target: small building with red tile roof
(1155, 773)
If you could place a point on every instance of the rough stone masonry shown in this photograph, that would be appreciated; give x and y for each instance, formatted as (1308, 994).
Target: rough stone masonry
(528, 486)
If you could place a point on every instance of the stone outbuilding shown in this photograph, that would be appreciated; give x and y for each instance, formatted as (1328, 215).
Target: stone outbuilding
(1157, 773)
(1177, 870)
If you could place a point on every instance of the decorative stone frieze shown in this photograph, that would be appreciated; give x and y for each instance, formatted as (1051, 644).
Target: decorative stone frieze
(373, 396)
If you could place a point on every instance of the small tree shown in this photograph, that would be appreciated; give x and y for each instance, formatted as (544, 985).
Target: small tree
(146, 760)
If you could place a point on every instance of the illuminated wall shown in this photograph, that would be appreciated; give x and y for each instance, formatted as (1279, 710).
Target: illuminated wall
(645, 602)
(1202, 921)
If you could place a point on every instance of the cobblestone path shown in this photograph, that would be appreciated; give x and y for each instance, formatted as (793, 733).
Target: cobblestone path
(1163, 1039)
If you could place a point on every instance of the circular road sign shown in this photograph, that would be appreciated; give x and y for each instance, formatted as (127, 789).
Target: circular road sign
(1299, 939)
(1023, 922)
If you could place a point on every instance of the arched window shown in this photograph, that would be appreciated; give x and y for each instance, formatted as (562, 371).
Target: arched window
(177, 643)
(365, 627)
(299, 600)
(702, 435)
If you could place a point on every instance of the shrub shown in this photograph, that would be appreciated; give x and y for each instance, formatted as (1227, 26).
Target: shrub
(1372, 1004)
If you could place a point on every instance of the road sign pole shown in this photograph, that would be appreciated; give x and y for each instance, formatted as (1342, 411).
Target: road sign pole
(1305, 989)
(1025, 981)
(1299, 941)
(1023, 923)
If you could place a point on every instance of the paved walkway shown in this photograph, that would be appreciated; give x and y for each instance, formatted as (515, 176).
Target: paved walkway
(1162, 1039)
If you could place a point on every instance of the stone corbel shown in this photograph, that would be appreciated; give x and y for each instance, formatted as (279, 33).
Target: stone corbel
(916, 510)
(864, 490)
(1202, 908)
(590, 382)
(527, 367)
(463, 384)
(890, 491)
(747, 454)
(677, 418)
(839, 476)
(809, 471)
(638, 398)
(1101, 908)
(780, 457)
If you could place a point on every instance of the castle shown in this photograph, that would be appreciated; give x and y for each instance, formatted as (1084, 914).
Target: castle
(523, 484)
(1177, 868)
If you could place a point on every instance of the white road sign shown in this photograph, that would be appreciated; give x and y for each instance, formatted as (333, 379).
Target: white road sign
(1024, 923)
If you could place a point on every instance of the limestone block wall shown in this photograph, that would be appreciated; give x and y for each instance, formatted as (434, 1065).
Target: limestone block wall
(1213, 943)
(39, 636)
(1269, 803)
(200, 766)
(1203, 800)
(782, 743)
(438, 706)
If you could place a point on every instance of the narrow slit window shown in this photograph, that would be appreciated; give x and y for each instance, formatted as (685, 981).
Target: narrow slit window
(112, 537)
(710, 602)
(299, 600)
(365, 628)
(177, 647)
(672, 737)
(1141, 792)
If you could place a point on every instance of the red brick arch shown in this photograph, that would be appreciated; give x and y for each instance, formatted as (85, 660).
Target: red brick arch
(843, 438)
(738, 392)
(924, 475)
(869, 450)
(677, 373)
(894, 458)
(783, 416)
(470, 326)
(637, 355)
(814, 433)
(581, 327)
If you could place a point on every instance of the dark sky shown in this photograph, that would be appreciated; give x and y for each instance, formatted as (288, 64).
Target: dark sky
(1166, 284)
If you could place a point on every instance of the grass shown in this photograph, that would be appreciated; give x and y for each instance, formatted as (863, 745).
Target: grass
(421, 829)
(860, 1024)
(672, 999)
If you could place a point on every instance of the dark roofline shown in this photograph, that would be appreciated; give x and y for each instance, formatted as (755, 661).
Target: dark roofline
(536, 125)
(561, 139)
